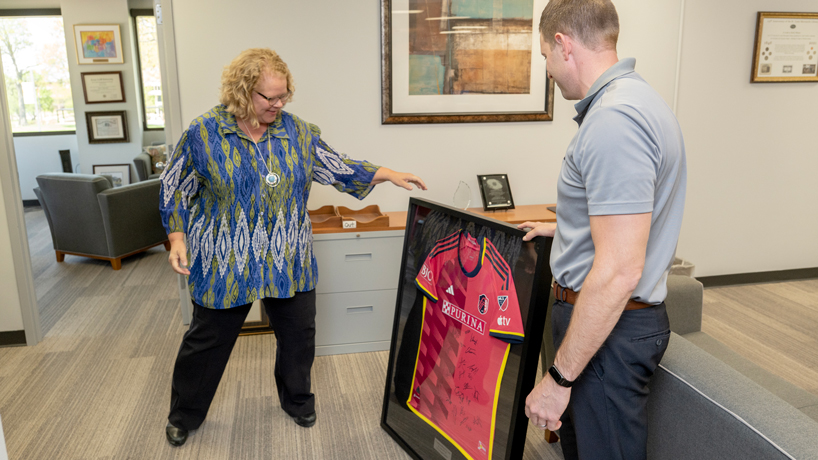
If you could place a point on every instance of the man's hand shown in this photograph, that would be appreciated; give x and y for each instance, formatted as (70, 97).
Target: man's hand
(546, 403)
(537, 229)
(404, 180)
(178, 253)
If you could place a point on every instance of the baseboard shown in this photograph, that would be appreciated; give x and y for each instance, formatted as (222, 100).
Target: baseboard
(30, 203)
(363, 347)
(12, 338)
(759, 277)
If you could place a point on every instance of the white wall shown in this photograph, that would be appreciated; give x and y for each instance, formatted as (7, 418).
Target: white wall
(752, 157)
(99, 12)
(751, 191)
(39, 155)
(333, 51)
(11, 318)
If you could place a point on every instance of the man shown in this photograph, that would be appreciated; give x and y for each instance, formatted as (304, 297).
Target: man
(620, 198)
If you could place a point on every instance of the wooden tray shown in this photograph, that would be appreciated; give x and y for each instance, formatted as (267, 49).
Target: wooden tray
(325, 217)
(370, 216)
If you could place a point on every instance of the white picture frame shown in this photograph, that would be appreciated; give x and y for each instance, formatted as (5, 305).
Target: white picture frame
(98, 44)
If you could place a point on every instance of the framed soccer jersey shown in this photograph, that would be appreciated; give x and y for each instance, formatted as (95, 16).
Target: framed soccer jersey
(471, 304)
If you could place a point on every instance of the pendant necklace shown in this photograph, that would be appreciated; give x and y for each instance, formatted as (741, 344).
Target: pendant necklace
(272, 179)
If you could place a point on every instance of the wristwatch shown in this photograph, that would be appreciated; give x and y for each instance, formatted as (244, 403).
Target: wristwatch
(557, 375)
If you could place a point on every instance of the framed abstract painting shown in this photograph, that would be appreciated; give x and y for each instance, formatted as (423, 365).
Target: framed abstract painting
(458, 61)
(98, 44)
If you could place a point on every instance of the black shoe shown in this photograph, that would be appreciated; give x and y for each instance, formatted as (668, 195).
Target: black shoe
(305, 420)
(178, 436)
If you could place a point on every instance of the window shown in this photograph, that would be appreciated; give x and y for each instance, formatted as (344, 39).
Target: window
(35, 65)
(149, 74)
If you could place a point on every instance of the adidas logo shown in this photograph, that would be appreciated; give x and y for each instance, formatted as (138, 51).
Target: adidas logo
(450, 291)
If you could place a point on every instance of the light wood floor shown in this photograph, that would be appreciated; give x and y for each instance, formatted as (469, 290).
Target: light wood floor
(775, 325)
(98, 385)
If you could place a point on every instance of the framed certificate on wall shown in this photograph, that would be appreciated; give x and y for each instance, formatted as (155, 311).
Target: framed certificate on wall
(786, 48)
(101, 87)
(107, 127)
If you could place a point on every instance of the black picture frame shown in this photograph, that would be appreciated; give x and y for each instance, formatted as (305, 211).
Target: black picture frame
(428, 222)
(495, 191)
(107, 127)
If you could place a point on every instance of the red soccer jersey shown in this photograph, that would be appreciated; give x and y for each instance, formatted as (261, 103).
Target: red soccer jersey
(470, 318)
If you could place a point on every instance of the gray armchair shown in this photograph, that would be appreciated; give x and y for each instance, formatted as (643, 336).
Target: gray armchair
(89, 218)
(142, 162)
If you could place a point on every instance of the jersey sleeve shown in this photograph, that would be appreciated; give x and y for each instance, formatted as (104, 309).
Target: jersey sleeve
(427, 276)
(506, 323)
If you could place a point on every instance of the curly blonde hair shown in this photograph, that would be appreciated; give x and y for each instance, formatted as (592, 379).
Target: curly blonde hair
(241, 76)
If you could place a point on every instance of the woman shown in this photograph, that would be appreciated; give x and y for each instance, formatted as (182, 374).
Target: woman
(237, 186)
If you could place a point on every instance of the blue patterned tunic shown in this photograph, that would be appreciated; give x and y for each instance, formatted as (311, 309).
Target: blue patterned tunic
(245, 239)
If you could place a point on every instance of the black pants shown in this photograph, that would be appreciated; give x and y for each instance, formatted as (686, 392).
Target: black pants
(206, 348)
(607, 417)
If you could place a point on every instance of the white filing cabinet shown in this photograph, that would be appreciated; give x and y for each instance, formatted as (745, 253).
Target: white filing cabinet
(357, 290)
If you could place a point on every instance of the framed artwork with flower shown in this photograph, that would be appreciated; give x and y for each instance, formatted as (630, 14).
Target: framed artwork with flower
(98, 44)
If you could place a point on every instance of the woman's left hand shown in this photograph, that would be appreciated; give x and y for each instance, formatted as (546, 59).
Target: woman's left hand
(400, 179)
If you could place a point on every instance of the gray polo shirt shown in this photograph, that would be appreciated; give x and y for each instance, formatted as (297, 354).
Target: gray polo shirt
(627, 157)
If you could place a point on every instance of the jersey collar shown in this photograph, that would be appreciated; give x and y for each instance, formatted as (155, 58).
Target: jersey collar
(482, 254)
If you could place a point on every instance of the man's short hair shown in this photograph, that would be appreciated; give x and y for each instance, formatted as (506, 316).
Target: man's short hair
(594, 23)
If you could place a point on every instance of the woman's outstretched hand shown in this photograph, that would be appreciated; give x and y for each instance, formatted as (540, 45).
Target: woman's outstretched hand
(404, 180)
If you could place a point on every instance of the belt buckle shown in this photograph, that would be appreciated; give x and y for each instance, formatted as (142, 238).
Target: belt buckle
(562, 295)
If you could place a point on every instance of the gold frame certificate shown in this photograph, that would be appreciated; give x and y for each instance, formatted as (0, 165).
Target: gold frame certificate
(101, 87)
(786, 47)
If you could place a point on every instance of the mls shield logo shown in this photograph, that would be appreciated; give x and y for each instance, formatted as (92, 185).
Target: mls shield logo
(502, 301)
(483, 304)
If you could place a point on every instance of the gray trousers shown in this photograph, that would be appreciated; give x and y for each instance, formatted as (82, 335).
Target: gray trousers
(606, 417)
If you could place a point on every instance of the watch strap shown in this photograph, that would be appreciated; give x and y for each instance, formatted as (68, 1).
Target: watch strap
(558, 377)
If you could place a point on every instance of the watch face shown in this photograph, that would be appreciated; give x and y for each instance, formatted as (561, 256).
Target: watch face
(557, 376)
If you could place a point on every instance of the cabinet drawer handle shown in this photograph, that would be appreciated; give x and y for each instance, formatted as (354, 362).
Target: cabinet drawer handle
(366, 309)
(358, 257)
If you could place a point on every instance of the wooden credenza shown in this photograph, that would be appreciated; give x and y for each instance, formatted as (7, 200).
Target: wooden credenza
(358, 273)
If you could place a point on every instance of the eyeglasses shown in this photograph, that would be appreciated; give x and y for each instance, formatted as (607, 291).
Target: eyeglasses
(274, 100)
